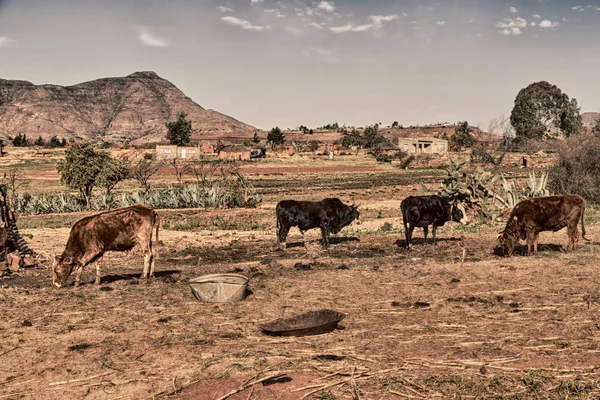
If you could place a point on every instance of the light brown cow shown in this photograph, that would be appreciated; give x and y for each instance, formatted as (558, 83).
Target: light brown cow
(116, 230)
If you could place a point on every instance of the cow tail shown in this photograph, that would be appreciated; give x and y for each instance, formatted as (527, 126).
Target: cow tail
(582, 223)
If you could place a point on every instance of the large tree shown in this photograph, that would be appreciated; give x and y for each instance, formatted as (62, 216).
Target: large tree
(372, 137)
(84, 168)
(275, 137)
(596, 128)
(542, 109)
(462, 137)
(180, 132)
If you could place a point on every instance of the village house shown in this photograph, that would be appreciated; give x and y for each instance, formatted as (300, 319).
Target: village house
(234, 152)
(387, 148)
(170, 152)
(423, 145)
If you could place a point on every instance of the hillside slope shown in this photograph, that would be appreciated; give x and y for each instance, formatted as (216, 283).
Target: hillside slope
(133, 108)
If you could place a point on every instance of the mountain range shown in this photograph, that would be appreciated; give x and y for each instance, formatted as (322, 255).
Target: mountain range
(132, 109)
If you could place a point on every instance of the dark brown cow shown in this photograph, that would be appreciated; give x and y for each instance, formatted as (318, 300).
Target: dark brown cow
(539, 214)
(116, 230)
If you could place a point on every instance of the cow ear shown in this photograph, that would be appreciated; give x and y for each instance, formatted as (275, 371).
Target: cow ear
(505, 235)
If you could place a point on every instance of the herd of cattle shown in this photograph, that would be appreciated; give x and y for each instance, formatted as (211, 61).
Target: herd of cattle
(124, 228)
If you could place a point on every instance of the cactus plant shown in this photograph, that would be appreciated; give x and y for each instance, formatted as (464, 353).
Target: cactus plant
(480, 189)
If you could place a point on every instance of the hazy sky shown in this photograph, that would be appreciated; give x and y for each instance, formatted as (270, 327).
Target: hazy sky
(293, 62)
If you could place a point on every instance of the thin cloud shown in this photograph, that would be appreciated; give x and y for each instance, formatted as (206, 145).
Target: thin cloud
(547, 24)
(4, 41)
(583, 8)
(513, 10)
(242, 23)
(315, 25)
(510, 31)
(256, 1)
(320, 53)
(275, 12)
(537, 16)
(511, 26)
(441, 22)
(148, 39)
(326, 6)
(377, 21)
(225, 9)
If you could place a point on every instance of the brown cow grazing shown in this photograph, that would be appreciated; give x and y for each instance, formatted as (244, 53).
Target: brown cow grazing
(549, 213)
(116, 230)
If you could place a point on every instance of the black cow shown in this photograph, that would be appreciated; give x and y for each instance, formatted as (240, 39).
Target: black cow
(331, 215)
(422, 211)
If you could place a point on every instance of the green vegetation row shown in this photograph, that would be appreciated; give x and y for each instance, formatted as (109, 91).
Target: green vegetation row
(174, 197)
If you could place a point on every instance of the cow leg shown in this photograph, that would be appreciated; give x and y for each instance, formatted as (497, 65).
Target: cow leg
(98, 266)
(433, 231)
(152, 259)
(536, 240)
(408, 232)
(78, 275)
(145, 243)
(573, 234)
(425, 232)
(325, 235)
(282, 234)
(530, 236)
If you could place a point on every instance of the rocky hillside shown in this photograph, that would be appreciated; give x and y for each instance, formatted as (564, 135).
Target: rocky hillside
(134, 108)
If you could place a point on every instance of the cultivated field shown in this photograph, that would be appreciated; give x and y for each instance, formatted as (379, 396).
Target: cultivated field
(454, 320)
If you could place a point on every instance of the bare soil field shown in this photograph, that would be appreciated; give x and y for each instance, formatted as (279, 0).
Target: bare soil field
(454, 320)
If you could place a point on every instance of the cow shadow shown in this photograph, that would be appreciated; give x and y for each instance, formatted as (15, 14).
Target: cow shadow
(521, 249)
(165, 275)
(332, 241)
(421, 241)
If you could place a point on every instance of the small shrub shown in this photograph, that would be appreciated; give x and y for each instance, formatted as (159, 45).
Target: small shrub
(386, 227)
(578, 168)
(405, 163)
(385, 158)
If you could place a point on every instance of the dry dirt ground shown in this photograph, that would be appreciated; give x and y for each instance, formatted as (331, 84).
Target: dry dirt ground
(454, 320)
(420, 324)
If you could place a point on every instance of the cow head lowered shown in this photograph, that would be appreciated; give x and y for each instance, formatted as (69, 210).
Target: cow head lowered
(459, 214)
(509, 237)
(62, 268)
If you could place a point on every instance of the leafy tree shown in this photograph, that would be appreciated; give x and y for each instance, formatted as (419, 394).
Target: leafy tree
(275, 137)
(541, 109)
(372, 137)
(256, 139)
(113, 171)
(84, 168)
(20, 140)
(596, 128)
(180, 132)
(39, 141)
(331, 127)
(310, 131)
(352, 138)
(462, 137)
(63, 142)
(395, 125)
(304, 129)
(55, 142)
